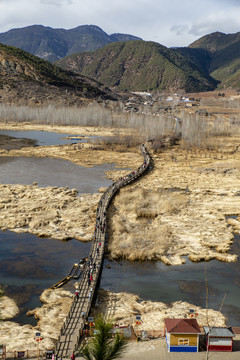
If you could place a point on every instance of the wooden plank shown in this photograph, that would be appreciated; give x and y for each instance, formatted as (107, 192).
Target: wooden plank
(74, 323)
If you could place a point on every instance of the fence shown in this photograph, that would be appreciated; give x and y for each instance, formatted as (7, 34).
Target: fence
(149, 334)
(26, 354)
(128, 333)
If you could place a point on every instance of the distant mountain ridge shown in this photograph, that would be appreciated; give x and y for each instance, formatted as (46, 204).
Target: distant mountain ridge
(219, 55)
(53, 44)
(128, 63)
(139, 66)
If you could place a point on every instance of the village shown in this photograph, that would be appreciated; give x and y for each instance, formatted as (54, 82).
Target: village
(157, 104)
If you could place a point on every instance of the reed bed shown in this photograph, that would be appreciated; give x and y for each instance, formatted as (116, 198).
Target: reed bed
(122, 308)
(193, 129)
(136, 230)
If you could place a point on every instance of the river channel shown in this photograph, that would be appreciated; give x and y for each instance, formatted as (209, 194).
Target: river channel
(29, 264)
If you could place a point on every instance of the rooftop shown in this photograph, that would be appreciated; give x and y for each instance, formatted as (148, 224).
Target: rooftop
(182, 326)
(219, 331)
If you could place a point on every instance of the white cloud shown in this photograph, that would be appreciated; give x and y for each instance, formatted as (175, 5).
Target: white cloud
(57, 2)
(180, 29)
(217, 21)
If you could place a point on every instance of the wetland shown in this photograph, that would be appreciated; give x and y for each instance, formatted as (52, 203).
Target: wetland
(193, 228)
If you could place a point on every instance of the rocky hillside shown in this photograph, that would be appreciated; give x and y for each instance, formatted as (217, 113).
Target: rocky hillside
(125, 62)
(139, 66)
(215, 42)
(25, 78)
(53, 44)
(219, 55)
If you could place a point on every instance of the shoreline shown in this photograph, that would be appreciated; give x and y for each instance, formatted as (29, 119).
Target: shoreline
(56, 304)
(73, 129)
(182, 208)
(203, 204)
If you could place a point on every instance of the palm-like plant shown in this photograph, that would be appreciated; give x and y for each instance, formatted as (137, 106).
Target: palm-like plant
(102, 346)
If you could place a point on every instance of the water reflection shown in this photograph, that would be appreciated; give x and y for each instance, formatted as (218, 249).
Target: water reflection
(53, 172)
(45, 137)
(158, 282)
(29, 264)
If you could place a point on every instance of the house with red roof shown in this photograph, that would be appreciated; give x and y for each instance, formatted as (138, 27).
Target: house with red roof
(182, 335)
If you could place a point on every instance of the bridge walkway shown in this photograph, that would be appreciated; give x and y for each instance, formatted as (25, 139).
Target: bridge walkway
(71, 331)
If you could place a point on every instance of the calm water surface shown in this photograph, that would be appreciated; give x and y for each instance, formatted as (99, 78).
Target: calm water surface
(44, 137)
(157, 282)
(25, 273)
(53, 172)
(29, 264)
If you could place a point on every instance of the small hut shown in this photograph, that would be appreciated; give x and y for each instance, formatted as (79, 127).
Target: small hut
(182, 335)
(219, 338)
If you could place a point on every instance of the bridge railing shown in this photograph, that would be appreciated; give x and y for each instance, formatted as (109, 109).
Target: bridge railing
(100, 236)
(104, 203)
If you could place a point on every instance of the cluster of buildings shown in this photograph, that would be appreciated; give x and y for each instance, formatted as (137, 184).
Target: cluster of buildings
(183, 335)
(140, 100)
(183, 99)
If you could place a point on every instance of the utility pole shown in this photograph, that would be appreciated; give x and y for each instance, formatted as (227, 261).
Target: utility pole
(206, 282)
(207, 320)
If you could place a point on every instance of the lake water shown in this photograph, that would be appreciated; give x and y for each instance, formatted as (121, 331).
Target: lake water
(157, 282)
(44, 137)
(29, 264)
(53, 172)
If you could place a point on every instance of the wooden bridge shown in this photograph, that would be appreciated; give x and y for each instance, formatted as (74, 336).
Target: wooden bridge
(75, 273)
(71, 331)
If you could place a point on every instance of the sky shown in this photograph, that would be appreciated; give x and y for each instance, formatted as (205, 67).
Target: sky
(170, 23)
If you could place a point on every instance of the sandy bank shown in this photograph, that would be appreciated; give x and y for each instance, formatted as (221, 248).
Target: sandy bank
(121, 308)
(81, 154)
(84, 155)
(56, 304)
(71, 129)
(167, 225)
(8, 308)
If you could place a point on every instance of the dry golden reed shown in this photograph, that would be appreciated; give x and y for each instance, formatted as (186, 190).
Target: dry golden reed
(136, 229)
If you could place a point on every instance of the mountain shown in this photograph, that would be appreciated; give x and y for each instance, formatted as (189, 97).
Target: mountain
(126, 62)
(219, 55)
(139, 66)
(199, 57)
(26, 78)
(53, 44)
(215, 41)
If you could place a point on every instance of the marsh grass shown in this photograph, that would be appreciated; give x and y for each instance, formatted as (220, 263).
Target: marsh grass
(162, 130)
(136, 229)
(130, 140)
